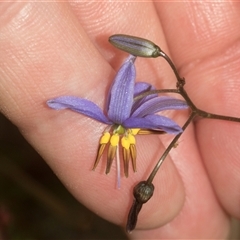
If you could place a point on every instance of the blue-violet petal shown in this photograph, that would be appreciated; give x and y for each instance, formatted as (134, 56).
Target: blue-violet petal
(79, 105)
(164, 123)
(140, 88)
(154, 122)
(121, 95)
(158, 104)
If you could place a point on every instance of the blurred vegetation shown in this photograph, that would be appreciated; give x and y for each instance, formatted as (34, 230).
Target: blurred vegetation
(33, 202)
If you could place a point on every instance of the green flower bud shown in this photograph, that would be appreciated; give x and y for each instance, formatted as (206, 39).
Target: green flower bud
(136, 46)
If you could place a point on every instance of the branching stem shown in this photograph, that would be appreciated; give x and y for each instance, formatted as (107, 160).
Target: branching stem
(145, 189)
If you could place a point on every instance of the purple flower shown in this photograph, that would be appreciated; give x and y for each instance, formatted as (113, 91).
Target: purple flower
(125, 116)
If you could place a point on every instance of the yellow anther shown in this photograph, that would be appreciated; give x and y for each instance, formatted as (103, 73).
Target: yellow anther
(134, 131)
(125, 142)
(131, 139)
(105, 138)
(114, 140)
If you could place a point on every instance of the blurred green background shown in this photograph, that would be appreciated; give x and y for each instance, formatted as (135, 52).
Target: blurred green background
(35, 205)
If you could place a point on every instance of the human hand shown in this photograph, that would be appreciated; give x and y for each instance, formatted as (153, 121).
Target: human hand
(52, 49)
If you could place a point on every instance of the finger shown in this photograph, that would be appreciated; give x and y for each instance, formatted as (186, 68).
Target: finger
(149, 26)
(202, 182)
(104, 19)
(208, 54)
(46, 53)
(170, 15)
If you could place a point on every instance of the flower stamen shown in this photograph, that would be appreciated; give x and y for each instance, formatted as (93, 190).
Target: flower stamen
(102, 144)
(126, 153)
(118, 168)
(114, 140)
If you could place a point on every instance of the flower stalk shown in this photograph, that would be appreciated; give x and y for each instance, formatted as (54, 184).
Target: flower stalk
(146, 187)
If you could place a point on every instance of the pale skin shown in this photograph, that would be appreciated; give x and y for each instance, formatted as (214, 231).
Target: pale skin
(53, 49)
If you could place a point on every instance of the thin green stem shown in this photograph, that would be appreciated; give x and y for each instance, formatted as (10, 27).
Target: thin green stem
(165, 56)
(137, 205)
(170, 146)
(205, 114)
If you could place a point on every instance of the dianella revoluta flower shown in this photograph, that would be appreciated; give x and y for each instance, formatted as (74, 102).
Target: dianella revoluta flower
(125, 117)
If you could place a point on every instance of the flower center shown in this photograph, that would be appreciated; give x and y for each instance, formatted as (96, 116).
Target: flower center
(119, 129)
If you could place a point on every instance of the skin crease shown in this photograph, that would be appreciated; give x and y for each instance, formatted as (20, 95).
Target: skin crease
(53, 49)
